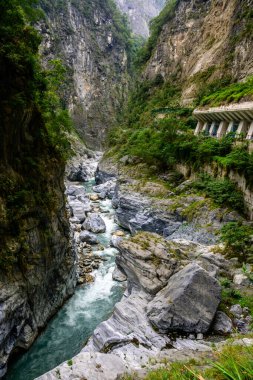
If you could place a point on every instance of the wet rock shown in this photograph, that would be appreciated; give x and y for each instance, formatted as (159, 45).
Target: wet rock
(128, 324)
(118, 275)
(88, 237)
(77, 173)
(94, 197)
(222, 324)
(119, 233)
(77, 210)
(94, 223)
(75, 190)
(88, 366)
(194, 287)
(106, 189)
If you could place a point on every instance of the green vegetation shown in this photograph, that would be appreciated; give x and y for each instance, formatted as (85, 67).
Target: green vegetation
(234, 92)
(232, 363)
(70, 362)
(221, 191)
(238, 239)
(232, 296)
(33, 144)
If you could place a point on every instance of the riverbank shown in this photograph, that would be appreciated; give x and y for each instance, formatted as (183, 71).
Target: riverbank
(176, 306)
(97, 293)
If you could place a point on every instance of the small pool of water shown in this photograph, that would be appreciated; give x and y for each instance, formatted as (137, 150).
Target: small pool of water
(68, 331)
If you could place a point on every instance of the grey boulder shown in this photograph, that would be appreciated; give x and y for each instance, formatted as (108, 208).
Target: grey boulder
(77, 173)
(188, 303)
(94, 223)
(222, 324)
(77, 210)
(88, 237)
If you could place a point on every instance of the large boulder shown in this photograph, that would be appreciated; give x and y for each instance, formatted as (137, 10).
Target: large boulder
(88, 237)
(188, 303)
(75, 190)
(77, 173)
(78, 210)
(94, 223)
(148, 260)
(106, 189)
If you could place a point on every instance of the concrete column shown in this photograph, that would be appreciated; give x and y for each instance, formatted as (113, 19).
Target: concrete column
(222, 129)
(243, 129)
(213, 129)
(230, 126)
(205, 128)
(199, 128)
(250, 132)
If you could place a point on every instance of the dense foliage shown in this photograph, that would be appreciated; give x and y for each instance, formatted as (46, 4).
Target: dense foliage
(217, 93)
(33, 144)
(221, 191)
(238, 239)
(31, 87)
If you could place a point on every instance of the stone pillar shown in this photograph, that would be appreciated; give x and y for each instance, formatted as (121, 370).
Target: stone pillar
(199, 128)
(250, 132)
(230, 126)
(214, 128)
(222, 129)
(206, 127)
(243, 129)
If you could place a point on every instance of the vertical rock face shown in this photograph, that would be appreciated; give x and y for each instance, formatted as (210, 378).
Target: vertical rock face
(37, 266)
(204, 38)
(93, 46)
(140, 12)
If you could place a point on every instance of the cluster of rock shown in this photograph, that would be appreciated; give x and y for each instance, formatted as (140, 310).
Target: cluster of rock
(84, 213)
(173, 292)
(85, 223)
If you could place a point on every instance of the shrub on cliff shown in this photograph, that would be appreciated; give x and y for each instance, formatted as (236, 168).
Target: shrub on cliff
(238, 239)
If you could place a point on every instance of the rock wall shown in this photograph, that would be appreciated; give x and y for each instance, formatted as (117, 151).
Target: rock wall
(37, 266)
(93, 46)
(204, 37)
(140, 12)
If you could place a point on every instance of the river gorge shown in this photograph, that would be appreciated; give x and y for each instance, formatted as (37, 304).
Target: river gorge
(68, 331)
(126, 228)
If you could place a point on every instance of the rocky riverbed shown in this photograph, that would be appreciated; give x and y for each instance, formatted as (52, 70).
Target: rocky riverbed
(173, 270)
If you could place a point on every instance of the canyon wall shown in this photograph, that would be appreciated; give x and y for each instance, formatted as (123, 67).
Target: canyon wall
(201, 41)
(91, 39)
(37, 265)
(140, 12)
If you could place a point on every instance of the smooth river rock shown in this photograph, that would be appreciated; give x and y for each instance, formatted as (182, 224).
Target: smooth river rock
(94, 223)
(188, 303)
(88, 366)
(88, 237)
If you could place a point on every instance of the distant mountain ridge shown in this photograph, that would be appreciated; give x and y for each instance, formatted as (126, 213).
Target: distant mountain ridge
(140, 12)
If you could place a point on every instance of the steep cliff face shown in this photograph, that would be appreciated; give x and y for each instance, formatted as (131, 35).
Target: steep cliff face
(37, 271)
(140, 13)
(92, 40)
(204, 40)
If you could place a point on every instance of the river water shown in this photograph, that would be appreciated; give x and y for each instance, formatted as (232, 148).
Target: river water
(68, 331)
